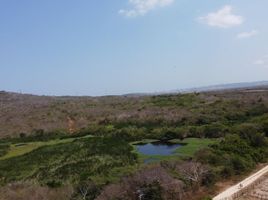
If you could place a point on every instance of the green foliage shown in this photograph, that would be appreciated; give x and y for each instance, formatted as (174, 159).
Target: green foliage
(265, 127)
(236, 153)
(37, 135)
(69, 162)
(186, 100)
(258, 109)
(152, 191)
(4, 148)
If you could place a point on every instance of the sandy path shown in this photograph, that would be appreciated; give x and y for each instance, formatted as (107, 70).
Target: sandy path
(227, 194)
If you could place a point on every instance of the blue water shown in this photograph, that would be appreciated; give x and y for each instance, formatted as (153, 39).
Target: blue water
(157, 148)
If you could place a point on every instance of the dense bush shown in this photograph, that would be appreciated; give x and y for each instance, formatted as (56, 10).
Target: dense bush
(3, 149)
(81, 159)
(151, 191)
(236, 153)
(36, 135)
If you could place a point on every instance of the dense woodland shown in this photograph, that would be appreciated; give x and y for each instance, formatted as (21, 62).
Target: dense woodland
(94, 158)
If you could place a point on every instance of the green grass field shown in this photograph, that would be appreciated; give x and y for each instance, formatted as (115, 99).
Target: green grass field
(193, 145)
(19, 149)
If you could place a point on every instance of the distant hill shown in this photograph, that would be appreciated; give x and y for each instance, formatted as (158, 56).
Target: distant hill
(219, 87)
(226, 87)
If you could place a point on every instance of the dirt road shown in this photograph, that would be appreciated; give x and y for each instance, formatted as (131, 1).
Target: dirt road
(232, 191)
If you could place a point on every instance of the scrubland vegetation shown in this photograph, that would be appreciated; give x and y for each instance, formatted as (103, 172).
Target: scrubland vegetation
(82, 147)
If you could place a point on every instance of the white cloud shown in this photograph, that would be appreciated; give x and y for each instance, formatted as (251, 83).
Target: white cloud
(223, 18)
(249, 34)
(262, 61)
(259, 62)
(142, 7)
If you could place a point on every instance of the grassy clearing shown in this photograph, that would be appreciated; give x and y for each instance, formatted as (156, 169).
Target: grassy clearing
(193, 145)
(23, 148)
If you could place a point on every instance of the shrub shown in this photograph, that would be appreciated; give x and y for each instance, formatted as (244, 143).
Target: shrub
(4, 149)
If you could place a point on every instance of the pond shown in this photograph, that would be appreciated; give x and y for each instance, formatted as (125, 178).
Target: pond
(157, 148)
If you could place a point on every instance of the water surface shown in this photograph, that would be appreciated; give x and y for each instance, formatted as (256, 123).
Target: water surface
(157, 148)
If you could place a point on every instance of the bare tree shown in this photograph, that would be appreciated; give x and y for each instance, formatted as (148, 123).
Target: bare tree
(193, 172)
(133, 187)
(87, 188)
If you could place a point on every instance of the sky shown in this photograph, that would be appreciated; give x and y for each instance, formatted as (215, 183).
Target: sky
(107, 47)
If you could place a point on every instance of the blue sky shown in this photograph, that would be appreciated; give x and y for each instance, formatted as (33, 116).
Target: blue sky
(100, 47)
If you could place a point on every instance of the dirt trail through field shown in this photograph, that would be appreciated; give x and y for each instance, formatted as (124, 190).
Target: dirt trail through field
(231, 192)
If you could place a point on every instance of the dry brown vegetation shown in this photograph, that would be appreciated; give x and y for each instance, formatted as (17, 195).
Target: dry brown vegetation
(30, 191)
(21, 113)
(132, 187)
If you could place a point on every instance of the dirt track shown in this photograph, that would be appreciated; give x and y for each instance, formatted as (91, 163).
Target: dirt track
(233, 191)
(259, 192)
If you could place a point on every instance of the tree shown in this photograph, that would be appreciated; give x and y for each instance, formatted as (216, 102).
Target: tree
(151, 191)
(22, 135)
(265, 127)
(87, 190)
(193, 172)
